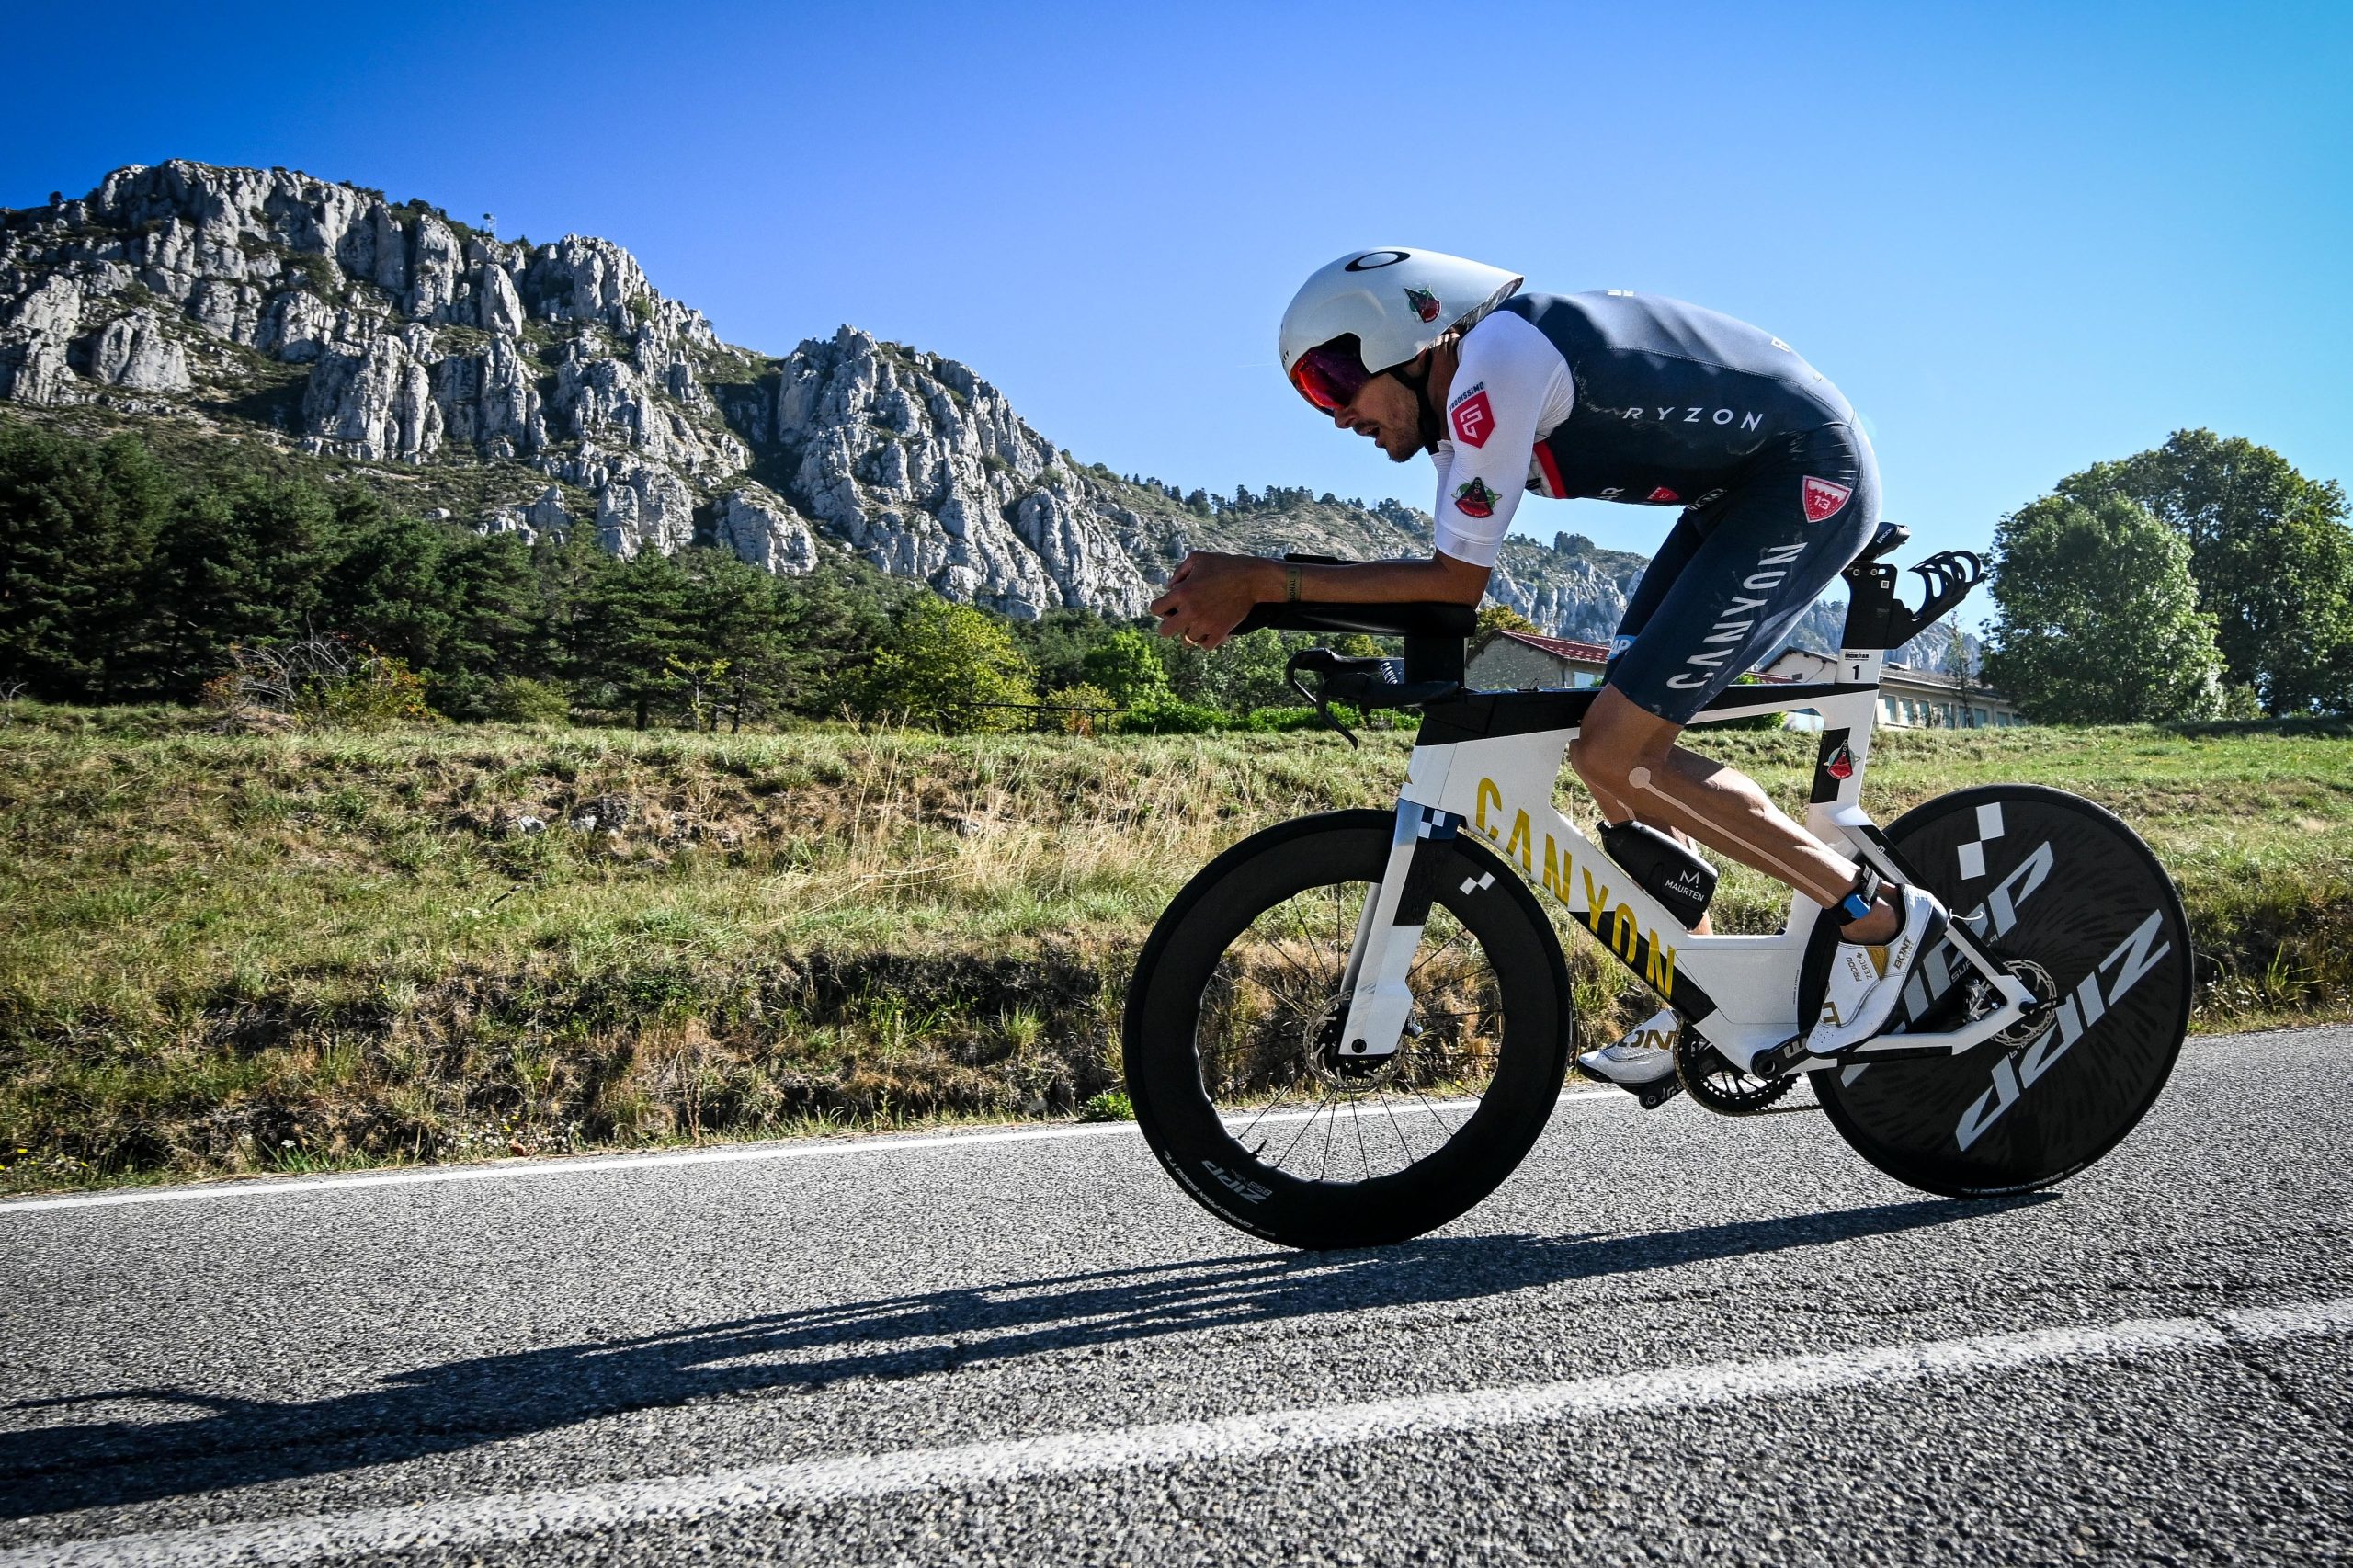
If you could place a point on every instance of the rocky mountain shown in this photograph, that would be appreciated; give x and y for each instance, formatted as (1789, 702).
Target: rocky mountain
(537, 388)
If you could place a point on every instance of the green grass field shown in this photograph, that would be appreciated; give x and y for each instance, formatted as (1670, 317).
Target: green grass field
(229, 953)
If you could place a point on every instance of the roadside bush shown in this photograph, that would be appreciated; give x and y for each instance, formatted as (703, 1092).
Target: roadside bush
(314, 680)
(1080, 710)
(519, 700)
(1165, 715)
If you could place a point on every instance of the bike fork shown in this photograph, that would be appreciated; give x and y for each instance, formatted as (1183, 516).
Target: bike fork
(1381, 1002)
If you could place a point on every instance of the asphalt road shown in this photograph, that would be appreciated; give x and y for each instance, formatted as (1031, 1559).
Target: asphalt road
(1670, 1336)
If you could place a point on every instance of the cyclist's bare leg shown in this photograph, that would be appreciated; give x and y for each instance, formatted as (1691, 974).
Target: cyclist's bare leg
(1627, 758)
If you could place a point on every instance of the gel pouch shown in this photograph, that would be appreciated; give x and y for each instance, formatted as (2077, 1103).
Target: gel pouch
(1675, 876)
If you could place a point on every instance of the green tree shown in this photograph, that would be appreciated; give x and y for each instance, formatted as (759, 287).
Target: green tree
(1245, 672)
(2270, 550)
(1078, 710)
(950, 665)
(78, 532)
(500, 624)
(242, 562)
(1502, 618)
(636, 622)
(2100, 619)
(744, 664)
(1127, 666)
(519, 700)
(389, 585)
(828, 626)
(1058, 643)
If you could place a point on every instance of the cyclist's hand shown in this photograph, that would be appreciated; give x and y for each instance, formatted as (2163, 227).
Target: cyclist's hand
(1208, 595)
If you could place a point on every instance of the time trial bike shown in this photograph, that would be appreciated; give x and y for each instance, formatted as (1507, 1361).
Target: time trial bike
(1350, 1027)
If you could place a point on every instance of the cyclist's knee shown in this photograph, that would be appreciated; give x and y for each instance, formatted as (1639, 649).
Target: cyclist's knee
(1606, 755)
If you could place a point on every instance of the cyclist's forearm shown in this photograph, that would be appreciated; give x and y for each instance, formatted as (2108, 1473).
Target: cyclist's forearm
(1441, 578)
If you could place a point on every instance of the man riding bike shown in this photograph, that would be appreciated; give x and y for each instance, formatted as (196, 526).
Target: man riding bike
(1623, 397)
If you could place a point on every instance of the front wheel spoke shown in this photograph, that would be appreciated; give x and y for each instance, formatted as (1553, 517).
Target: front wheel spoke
(1395, 1126)
(1276, 1103)
(1273, 942)
(1443, 1125)
(1426, 960)
(1304, 1125)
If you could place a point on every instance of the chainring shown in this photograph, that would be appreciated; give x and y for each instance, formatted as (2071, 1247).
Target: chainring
(1715, 1082)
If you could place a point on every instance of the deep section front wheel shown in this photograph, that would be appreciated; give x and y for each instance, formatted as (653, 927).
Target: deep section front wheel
(1233, 1024)
(2073, 900)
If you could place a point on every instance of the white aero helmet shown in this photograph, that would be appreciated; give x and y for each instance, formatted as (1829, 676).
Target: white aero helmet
(1394, 302)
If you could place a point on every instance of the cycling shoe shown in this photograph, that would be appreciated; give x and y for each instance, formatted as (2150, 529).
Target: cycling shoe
(1643, 1058)
(1867, 979)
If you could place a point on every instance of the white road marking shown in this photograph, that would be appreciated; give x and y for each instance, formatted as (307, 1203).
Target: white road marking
(484, 1524)
(594, 1164)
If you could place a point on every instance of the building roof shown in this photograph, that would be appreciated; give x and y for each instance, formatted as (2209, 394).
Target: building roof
(1596, 654)
(1564, 648)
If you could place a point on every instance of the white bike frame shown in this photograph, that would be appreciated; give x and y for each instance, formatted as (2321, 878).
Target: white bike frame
(1739, 993)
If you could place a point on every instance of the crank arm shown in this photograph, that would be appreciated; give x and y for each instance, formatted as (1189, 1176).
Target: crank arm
(1792, 1056)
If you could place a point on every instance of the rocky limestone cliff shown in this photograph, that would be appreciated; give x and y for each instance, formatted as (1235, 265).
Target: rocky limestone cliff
(543, 388)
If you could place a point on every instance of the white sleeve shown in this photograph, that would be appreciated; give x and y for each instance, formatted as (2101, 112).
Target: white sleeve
(1510, 385)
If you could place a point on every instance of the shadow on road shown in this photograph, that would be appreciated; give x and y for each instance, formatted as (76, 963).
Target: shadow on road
(458, 1405)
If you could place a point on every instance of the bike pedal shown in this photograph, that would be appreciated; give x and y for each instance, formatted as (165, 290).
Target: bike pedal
(1654, 1096)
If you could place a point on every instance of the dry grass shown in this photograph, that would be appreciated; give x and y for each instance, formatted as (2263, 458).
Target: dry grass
(250, 952)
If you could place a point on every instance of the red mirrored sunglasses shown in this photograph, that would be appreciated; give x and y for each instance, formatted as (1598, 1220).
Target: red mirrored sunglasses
(1330, 375)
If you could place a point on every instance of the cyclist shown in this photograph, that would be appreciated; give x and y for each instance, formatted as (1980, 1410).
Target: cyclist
(1623, 397)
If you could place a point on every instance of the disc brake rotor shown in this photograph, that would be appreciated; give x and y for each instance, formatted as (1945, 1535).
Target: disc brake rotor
(1981, 999)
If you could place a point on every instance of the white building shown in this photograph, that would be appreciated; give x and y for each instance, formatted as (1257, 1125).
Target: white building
(1909, 698)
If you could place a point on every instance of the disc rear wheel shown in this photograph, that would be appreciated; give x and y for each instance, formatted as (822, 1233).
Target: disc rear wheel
(2074, 902)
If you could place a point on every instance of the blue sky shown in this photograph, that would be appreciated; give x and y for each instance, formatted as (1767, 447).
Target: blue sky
(2021, 237)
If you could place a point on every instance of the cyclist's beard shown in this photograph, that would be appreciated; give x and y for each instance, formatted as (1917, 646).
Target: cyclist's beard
(1427, 427)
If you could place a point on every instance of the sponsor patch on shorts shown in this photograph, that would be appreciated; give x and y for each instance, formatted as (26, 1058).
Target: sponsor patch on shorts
(1823, 499)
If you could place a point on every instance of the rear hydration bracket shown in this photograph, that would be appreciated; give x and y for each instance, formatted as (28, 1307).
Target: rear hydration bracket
(1877, 618)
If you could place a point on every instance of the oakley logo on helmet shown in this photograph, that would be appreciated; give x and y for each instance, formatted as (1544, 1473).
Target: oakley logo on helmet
(1425, 303)
(1377, 258)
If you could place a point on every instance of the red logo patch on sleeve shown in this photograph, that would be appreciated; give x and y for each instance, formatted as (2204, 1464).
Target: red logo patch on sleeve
(1823, 499)
(1662, 494)
(1474, 419)
(1474, 499)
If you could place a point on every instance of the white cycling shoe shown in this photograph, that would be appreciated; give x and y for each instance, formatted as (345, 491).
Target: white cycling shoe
(1867, 979)
(1643, 1058)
